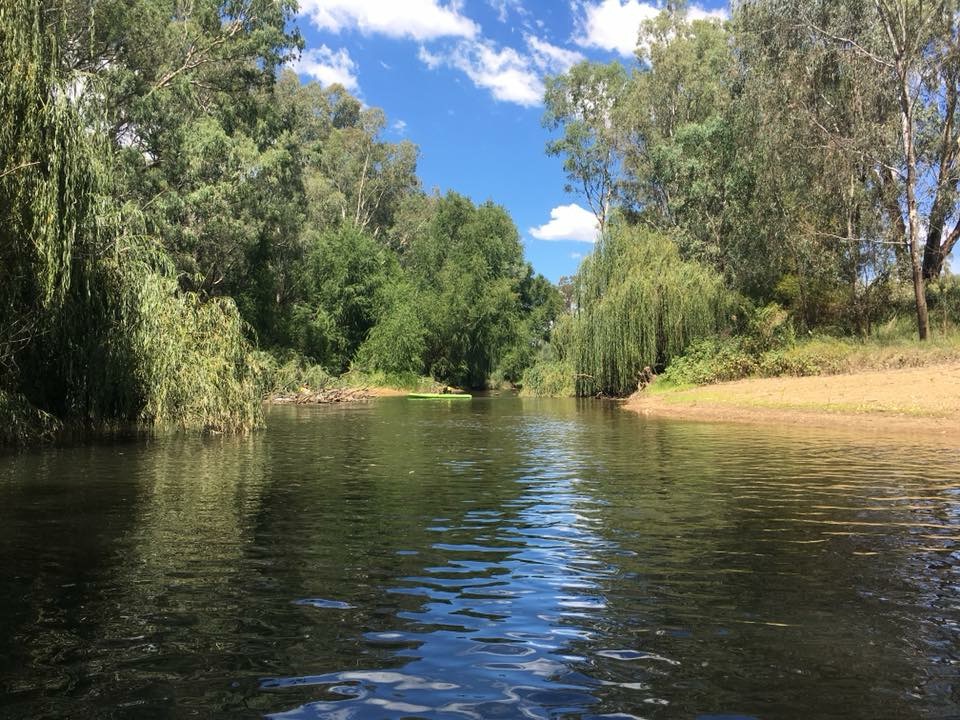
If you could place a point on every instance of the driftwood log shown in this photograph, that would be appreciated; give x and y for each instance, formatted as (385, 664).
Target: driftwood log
(324, 395)
(645, 377)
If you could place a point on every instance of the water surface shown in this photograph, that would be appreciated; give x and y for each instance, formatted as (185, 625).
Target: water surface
(500, 558)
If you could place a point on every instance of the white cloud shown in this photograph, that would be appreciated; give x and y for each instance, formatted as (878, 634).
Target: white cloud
(509, 75)
(399, 127)
(417, 19)
(431, 60)
(698, 13)
(614, 25)
(505, 73)
(568, 222)
(550, 58)
(328, 66)
(503, 8)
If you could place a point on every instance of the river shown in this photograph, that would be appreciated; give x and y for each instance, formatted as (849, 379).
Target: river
(498, 558)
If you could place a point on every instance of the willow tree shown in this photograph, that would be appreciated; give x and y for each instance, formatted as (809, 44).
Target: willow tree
(92, 326)
(45, 187)
(639, 305)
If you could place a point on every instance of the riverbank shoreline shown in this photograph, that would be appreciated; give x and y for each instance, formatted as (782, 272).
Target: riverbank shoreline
(911, 399)
(329, 395)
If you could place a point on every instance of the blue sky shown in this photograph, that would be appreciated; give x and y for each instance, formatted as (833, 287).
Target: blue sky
(464, 81)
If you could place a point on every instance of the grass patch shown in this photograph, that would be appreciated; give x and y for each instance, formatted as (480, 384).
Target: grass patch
(891, 347)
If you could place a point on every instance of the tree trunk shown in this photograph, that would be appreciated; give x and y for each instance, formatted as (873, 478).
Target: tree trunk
(936, 251)
(923, 321)
(932, 258)
(896, 29)
(913, 221)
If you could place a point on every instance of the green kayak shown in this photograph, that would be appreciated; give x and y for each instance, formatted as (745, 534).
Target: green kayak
(440, 396)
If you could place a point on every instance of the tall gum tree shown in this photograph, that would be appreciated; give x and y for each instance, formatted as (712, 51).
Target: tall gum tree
(911, 50)
(583, 103)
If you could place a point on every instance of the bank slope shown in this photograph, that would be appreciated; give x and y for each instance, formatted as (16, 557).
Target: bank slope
(912, 398)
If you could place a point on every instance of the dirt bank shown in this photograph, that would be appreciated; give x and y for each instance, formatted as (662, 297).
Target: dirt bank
(914, 398)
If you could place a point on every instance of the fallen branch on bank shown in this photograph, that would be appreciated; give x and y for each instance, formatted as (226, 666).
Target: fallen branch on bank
(322, 396)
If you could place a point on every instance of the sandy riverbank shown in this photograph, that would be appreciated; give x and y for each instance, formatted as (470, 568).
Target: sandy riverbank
(915, 399)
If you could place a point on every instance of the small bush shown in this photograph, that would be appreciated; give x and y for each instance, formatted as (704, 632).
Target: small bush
(548, 378)
(769, 328)
(288, 374)
(710, 361)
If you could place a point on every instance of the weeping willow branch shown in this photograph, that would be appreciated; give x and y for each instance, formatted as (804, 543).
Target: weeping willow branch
(110, 338)
(639, 305)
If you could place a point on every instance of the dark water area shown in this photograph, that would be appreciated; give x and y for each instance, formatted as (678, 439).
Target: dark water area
(499, 558)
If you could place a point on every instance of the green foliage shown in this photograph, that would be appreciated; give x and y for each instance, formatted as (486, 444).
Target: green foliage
(47, 179)
(195, 361)
(640, 305)
(93, 327)
(22, 422)
(943, 297)
(184, 94)
(468, 270)
(709, 361)
(286, 373)
(166, 196)
(582, 103)
(346, 273)
(549, 378)
(773, 148)
(758, 353)
(552, 373)
(397, 343)
(542, 304)
(769, 327)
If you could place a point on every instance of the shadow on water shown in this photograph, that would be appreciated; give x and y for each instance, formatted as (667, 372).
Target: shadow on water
(499, 558)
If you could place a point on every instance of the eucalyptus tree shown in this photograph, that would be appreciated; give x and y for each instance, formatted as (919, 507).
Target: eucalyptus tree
(583, 103)
(814, 130)
(905, 53)
(683, 78)
(360, 178)
(185, 92)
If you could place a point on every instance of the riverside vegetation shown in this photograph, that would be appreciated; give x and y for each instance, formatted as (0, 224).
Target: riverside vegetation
(777, 194)
(185, 227)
